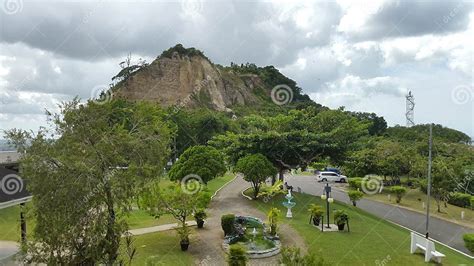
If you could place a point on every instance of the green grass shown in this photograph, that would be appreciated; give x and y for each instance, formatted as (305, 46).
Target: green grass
(10, 222)
(414, 200)
(10, 217)
(161, 248)
(141, 218)
(371, 241)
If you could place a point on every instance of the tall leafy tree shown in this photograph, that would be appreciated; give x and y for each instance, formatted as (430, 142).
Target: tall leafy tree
(84, 173)
(204, 161)
(256, 168)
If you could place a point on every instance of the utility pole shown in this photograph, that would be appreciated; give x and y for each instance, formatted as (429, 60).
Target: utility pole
(428, 196)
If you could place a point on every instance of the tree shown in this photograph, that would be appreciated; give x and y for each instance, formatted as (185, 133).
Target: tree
(256, 169)
(203, 161)
(177, 202)
(84, 173)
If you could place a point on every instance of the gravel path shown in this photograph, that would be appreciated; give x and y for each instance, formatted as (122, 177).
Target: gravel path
(206, 245)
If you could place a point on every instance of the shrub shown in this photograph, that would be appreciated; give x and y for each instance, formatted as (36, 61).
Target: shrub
(227, 223)
(355, 183)
(354, 196)
(316, 210)
(460, 199)
(472, 202)
(399, 192)
(200, 215)
(469, 242)
(273, 215)
(423, 185)
(291, 256)
(237, 256)
(340, 217)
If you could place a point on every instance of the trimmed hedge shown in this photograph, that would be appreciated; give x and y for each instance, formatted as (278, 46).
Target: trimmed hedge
(460, 199)
(469, 241)
(355, 183)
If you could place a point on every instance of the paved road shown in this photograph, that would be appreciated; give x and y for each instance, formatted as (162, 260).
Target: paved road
(441, 230)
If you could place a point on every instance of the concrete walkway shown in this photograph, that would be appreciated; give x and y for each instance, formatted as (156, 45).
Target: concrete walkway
(7, 250)
(158, 228)
(440, 230)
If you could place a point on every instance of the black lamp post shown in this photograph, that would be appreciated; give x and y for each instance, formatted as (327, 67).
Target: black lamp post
(328, 199)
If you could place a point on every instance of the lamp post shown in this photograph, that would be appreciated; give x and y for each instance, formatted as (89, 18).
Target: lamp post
(328, 199)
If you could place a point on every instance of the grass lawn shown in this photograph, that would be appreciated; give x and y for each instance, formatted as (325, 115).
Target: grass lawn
(372, 241)
(140, 218)
(414, 200)
(10, 222)
(161, 248)
(10, 217)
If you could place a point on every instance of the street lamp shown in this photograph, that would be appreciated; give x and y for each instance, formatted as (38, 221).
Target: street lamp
(327, 197)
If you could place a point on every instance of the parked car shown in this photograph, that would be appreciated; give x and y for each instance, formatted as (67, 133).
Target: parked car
(332, 169)
(328, 176)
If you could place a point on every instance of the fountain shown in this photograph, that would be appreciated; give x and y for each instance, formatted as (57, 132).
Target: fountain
(288, 204)
(251, 232)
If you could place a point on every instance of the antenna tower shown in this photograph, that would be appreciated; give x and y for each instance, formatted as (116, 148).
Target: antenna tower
(410, 108)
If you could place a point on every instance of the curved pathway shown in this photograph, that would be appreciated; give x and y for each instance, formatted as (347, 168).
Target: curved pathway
(206, 245)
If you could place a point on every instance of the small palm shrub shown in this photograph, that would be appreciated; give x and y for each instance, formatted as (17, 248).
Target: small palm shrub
(354, 196)
(237, 256)
(399, 192)
(273, 216)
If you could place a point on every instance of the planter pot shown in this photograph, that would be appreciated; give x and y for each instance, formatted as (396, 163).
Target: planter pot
(184, 245)
(316, 221)
(354, 203)
(200, 223)
(341, 227)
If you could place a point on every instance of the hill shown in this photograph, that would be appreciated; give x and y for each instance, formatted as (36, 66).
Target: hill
(186, 77)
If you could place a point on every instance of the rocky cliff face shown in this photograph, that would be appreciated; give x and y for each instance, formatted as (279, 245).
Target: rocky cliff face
(191, 81)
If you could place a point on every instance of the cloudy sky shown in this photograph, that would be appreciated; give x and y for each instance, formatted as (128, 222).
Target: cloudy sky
(363, 55)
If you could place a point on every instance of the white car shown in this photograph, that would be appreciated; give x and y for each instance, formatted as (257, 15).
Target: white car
(327, 176)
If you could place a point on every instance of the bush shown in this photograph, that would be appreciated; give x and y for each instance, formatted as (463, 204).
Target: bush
(340, 217)
(237, 256)
(355, 183)
(469, 242)
(399, 192)
(460, 199)
(354, 196)
(291, 256)
(472, 202)
(200, 215)
(227, 223)
(273, 215)
(316, 210)
(423, 184)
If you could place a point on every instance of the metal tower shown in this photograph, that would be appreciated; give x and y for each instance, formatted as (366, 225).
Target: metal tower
(410, 108)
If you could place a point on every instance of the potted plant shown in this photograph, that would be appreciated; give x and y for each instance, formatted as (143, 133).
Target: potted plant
(340, 218)
(183, 233)
(316, 212)
(199, 216)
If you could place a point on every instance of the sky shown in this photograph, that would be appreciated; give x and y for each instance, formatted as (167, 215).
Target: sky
(363, 55)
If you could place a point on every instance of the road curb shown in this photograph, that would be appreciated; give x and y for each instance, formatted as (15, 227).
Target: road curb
(219, 189)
